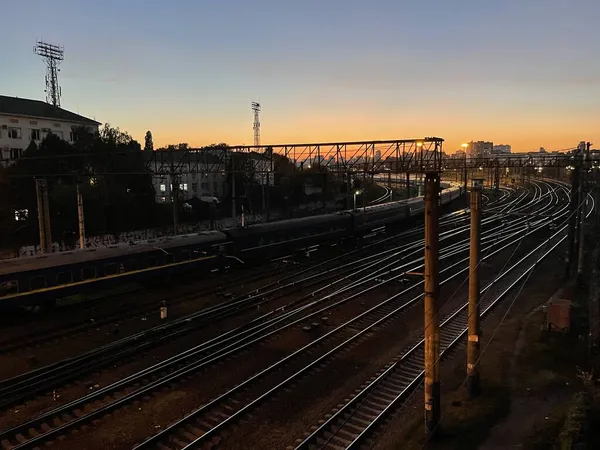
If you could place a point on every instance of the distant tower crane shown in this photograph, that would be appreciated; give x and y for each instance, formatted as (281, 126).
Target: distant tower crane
(256, 127)
(53, 55)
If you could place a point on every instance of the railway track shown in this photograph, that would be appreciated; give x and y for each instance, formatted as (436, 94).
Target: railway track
(44, 427)
(203, 426)
(80, 413)
(25, 386)
(349, 425)
(77, 327)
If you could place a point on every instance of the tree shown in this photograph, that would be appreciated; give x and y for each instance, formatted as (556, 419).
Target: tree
(149, 144)
(117, 187)
(114, 136)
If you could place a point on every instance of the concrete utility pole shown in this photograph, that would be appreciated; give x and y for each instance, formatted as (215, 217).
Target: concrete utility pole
(47, 217)
(233, 209)
(39, 191)
(473, 344)
(432, 319)
(81, 217)
(175, 200)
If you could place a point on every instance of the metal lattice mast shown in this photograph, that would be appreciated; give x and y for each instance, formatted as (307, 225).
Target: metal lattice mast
(256, 127)
(52, 55)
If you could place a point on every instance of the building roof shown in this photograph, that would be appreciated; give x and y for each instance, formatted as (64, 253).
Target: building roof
(35, 108)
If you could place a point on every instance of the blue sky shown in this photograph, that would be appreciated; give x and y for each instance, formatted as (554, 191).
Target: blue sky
(524, 72)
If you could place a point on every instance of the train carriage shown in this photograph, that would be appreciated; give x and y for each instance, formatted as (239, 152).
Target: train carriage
(29, 280)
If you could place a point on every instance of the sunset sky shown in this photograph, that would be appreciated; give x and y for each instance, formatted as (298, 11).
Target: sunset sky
(520, 72)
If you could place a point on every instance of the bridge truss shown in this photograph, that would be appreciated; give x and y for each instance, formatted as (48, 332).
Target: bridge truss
(406, 156)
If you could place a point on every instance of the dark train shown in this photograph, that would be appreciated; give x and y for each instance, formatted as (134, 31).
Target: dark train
(33, 280)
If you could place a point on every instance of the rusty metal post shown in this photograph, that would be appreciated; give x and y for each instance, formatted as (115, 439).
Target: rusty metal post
(474, 334)
(432, 319)
(41, 217)
(80, 217)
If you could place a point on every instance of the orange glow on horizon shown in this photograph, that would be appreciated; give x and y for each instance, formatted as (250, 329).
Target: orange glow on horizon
(523, 132)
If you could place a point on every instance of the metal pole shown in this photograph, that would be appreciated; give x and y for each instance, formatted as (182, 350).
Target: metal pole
(175, 193)
(466, 175)
(582, 203)
(432, 320)
(580, 198)
(572, 218)
(407, 185)
(497, 178)
(81, 217)
(268, 205)
(40, 206)
(47, 216)
(473, 387)
(581, 255)
(354, 209)
(233, 209)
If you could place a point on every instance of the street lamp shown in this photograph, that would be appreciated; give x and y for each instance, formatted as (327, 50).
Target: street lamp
(355, 194)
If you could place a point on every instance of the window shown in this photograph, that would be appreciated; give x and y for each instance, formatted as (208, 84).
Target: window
(15, 153)
(33, 122)
(72, 136)
(194, 186)
(163, 188)
(56, 125)
(163, 199)
(14, 133)
(183, 187)
(35, 134)
(58, 134)
(14, 120)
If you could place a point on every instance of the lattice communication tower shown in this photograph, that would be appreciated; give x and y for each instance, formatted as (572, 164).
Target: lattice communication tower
(53, 55)
(256, 127)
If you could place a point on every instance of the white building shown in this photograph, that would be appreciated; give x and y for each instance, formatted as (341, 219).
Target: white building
(23, 120)
(199, 181)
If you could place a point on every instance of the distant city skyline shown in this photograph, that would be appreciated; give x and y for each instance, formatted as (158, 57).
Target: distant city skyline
(522, 73)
